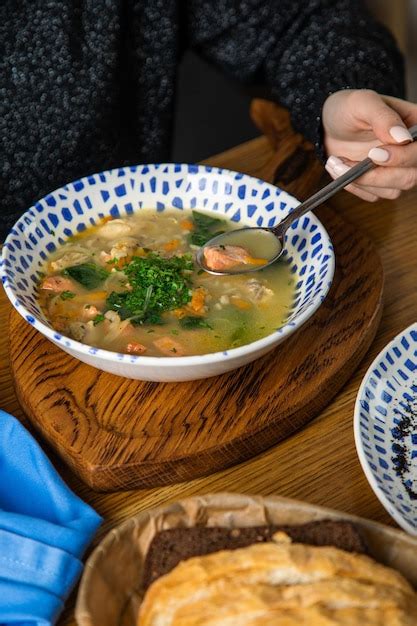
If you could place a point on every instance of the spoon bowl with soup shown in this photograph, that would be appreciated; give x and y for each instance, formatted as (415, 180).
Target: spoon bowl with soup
(251, 249)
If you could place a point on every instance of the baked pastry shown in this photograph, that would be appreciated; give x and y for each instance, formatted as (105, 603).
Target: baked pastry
(281, 583)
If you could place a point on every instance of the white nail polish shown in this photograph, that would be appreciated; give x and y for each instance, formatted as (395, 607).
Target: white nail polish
(330, 170)
(336, 167)
(340, 169)
(400, 134)
(378, 154)
(333, 161)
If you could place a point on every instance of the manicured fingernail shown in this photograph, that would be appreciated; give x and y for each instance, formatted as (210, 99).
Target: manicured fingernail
(400, 134)
(378, 154)
(334, 165)
(332, 161)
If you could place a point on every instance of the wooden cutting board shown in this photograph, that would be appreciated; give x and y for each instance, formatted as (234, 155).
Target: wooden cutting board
(122, 434)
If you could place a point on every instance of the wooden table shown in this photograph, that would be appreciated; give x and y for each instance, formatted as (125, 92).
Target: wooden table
(318, 464)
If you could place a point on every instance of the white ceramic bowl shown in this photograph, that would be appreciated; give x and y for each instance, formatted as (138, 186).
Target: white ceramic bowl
(386, 428)
(119, 192)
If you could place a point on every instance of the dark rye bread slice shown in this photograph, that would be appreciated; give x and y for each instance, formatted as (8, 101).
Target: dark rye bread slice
(171, 546)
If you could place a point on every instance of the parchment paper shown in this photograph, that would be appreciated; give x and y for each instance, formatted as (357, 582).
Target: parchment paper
(109, 593)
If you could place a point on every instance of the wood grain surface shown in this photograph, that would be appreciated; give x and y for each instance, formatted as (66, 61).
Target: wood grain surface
(319, 463)
(121, 434)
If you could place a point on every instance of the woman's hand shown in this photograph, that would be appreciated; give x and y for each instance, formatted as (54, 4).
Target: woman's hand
(360, 123)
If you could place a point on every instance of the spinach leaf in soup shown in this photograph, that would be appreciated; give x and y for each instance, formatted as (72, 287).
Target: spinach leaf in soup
(205, 228)
(89, 275)
(239, 337)
(241, 326)
(191, 323)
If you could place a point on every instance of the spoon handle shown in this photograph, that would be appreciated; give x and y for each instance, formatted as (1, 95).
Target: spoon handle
(329, 190)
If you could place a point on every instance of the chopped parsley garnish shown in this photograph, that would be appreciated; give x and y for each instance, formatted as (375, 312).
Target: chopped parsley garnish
(190, 323)
(205, 228)
(89, 275)
(67, 295)
(98, 318)
(157, 285)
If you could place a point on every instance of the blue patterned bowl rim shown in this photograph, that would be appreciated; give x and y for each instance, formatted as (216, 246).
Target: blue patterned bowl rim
(212, 357)
(392, 510)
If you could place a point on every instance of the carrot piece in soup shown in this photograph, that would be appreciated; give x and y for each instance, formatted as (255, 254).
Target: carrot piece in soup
(187, 225)
(198, 299)
(180, 313)
(169, 346)
(240, 303)
(172, 245)
(92, 296)
(253, 261)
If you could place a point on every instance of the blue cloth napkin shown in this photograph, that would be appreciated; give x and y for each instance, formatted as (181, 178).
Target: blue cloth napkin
(44, 530)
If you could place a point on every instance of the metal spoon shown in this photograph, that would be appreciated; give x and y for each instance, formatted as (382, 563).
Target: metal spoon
(268, 243)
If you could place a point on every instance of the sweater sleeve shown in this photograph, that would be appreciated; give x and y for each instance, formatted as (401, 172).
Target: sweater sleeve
(302, 51)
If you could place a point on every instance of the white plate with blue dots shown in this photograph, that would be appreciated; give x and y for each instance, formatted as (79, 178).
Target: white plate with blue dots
(385, 427)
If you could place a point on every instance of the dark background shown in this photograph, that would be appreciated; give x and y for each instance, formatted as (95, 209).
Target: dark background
(212, 112)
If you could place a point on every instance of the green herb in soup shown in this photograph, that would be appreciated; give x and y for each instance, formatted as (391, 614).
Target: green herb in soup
(191, 322)
(132, 285)
(88, 275)
(206, 226)
(157, 285)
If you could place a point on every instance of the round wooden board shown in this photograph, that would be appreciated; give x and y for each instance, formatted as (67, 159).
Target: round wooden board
(121, 434)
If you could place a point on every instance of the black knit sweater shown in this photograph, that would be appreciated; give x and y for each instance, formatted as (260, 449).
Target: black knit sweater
(89, 84)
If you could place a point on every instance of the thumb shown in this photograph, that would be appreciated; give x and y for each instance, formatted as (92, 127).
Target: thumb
(384, 121)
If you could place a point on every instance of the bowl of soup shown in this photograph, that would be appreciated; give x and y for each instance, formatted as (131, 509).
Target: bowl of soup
(105, 268)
